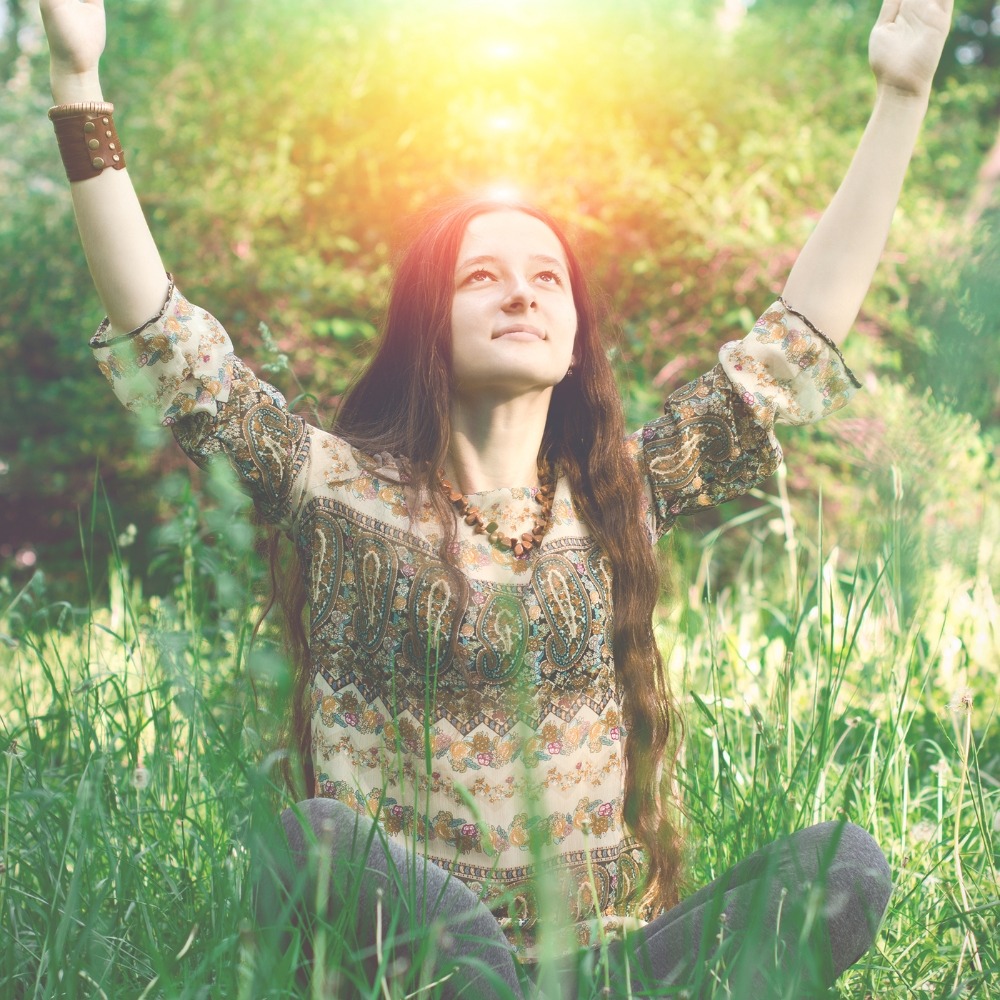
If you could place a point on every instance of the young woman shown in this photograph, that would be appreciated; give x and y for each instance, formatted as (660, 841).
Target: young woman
(474, 543)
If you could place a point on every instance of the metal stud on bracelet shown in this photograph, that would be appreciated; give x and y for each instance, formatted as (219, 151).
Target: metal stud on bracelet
(88, 141)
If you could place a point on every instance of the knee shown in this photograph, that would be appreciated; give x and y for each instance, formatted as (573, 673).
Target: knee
(319, 821)
(858, 886)
(860, 865)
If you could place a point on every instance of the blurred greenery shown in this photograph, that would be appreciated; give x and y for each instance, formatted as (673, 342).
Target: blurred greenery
(844, 661)
(280, 147)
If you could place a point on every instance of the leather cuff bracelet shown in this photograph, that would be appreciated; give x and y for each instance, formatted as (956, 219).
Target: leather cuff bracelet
(88, 142)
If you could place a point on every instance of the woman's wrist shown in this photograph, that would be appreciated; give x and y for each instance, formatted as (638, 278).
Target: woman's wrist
(71, 88)
(907, 101)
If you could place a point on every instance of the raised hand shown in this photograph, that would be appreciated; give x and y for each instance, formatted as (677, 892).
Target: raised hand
(76, 33)
(906, 44)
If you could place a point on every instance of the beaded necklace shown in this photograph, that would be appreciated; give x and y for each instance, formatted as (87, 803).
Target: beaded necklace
(520, 546)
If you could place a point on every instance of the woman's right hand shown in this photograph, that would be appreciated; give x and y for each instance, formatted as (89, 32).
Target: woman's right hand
(76, 33)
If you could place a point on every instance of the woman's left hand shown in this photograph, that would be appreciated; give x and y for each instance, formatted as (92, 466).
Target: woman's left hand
(906, 44)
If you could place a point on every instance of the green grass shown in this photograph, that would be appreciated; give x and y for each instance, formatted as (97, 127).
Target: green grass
(137, 782)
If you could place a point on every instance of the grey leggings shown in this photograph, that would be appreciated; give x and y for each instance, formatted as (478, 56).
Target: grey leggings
(785, 922)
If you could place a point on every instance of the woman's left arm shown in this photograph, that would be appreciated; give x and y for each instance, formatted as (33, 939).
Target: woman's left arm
(831, 276)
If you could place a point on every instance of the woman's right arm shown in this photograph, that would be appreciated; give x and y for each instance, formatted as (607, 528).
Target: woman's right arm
(159, 352)
(123, 258)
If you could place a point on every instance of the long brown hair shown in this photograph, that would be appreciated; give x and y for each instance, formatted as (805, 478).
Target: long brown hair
(400, 404)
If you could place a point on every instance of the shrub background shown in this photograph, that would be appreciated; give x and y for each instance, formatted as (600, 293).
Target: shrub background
(278, 147)
(832, 641)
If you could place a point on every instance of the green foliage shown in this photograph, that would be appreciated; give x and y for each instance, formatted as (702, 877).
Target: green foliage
(136, 767)
(278, 146)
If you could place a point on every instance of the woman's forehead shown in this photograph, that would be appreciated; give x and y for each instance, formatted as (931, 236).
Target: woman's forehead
(509, 233)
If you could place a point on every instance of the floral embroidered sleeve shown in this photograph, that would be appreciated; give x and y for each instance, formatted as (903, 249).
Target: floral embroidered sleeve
(716, 439)
(181, 366)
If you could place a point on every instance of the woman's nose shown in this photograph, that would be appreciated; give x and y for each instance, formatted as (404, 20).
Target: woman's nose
(519, 295)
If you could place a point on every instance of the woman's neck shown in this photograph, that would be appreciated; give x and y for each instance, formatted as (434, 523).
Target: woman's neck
(495, 444)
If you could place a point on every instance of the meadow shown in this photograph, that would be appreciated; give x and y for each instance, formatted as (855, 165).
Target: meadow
(139, 775)
(833, 641)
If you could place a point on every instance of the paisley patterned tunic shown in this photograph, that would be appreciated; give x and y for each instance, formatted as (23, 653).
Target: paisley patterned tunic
(472, 706)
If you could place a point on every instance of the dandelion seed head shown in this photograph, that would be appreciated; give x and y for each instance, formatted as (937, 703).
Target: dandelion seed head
(962, 702)
(140, 778)
(399, 967)
(127, 537)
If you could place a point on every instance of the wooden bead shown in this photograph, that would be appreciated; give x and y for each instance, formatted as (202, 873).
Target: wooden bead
(529, 540)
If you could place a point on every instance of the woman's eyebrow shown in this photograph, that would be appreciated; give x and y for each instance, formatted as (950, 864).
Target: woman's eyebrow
(475, 261)
(540, 258)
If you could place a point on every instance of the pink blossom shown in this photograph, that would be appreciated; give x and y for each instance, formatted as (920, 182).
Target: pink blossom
(616, 733)
(25, 558)
(605, 809)
(469, 830)
(554, 748)
(485, 759)
(351, 719)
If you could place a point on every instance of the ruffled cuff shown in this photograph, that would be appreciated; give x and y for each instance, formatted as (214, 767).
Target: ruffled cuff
(787, 370)
(179, 362)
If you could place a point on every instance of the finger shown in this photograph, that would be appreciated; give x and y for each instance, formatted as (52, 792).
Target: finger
(890, 8)
(945, 6)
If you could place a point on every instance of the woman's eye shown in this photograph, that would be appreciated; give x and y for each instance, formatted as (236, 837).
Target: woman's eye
(479, 275)
(550, 278)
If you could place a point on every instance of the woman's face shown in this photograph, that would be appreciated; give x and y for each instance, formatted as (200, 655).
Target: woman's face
(513, 319)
